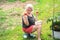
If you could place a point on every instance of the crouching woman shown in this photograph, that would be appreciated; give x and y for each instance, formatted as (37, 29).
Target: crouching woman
(29, 25)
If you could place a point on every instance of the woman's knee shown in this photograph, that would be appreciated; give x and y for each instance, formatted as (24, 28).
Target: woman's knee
(37, 27)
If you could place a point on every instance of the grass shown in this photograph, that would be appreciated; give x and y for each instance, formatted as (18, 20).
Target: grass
(14, 31)
(1, 13)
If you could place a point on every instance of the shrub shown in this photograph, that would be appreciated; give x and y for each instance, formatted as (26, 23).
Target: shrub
(56, 26)
(55, 22)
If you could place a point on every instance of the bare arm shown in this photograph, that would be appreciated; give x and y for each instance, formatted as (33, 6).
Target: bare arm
(35, 18)
(25, 19)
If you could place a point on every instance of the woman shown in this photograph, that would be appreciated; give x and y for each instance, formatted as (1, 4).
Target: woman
(29, 22)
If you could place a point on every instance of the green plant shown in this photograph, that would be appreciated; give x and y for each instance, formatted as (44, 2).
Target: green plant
(23, 0)
(56, 26)
(55, 22)
(37, 0)
(11, 0)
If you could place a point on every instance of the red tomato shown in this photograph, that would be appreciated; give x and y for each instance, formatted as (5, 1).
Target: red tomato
(37, 12)
(25, 13)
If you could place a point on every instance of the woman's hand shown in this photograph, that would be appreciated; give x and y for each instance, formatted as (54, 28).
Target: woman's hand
(25, 19)
(36, 17)
(37, 13)
(38, 22)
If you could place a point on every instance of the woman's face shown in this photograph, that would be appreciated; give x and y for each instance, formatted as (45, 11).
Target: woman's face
(29, 9)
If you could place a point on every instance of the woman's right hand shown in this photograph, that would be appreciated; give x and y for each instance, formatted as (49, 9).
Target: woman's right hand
(25, 19)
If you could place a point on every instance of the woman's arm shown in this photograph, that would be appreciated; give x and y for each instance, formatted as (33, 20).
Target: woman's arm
(25, 19)
(35, 18)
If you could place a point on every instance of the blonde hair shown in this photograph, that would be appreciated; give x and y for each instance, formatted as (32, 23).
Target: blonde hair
(29, 5)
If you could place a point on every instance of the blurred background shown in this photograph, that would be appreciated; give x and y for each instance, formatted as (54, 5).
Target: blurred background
(11, 13)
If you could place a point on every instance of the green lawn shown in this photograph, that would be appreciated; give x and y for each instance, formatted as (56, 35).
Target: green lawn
(10, 24)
